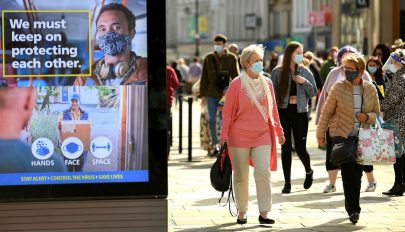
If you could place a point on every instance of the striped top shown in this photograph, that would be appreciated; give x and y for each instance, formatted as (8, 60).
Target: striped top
(357, 98)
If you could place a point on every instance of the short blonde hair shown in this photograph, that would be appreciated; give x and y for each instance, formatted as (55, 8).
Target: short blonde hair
(357, 60)
(248, 52)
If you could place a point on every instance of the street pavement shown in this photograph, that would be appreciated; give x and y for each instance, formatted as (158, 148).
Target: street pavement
(193, 202)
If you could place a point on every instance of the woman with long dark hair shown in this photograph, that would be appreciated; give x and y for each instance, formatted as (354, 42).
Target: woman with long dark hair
(374, 68)
(294, 85)
(382, 51)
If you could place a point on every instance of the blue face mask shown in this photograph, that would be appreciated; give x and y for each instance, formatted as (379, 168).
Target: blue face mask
(351, 75)
(72, 147)
(257, 67)
(298, 58)
(218, 48)
(113, 44)
(372, 69)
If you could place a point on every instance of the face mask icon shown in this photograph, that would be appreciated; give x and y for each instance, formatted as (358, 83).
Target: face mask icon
(72, 147)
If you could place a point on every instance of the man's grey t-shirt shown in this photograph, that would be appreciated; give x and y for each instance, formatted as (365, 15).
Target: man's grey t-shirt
(16, 156)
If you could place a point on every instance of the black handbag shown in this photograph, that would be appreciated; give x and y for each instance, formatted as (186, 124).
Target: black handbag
(221, 171)
(344, 150)
(221, 176)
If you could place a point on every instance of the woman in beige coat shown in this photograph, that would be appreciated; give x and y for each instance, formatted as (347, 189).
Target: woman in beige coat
(351, 103)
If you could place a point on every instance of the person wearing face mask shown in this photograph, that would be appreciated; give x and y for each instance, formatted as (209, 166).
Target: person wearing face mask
(250, 127)
(16, 105)
(393, 106)
(120, 66)
(294, 85)
(374, 68)
(73, 113)
(352, 103)
(219, 68)
(335, 75)
(328, 64)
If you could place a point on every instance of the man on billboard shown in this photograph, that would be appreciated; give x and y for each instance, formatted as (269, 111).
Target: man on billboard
(74, 134)
(120, 66)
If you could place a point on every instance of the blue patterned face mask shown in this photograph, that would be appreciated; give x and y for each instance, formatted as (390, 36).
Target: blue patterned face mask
(113, 44)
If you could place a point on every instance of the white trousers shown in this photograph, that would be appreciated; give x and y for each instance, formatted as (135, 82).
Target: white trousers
(261, 161)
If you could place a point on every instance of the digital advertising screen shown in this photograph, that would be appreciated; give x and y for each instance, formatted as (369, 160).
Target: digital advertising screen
(82, 109)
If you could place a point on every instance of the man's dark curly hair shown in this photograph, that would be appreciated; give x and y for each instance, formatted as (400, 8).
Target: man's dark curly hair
(119, 7)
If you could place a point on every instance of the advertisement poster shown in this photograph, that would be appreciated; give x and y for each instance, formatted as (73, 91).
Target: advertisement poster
(73, 92)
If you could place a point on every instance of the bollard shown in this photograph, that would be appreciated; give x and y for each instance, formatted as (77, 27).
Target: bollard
(190, 129)
(180, 123)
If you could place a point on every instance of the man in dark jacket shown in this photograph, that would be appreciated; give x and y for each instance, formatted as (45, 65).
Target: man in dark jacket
(219, 68)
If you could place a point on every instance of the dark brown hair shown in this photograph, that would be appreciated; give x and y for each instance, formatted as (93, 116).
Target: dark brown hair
(129, 16)
(220, 38)
(285, 71)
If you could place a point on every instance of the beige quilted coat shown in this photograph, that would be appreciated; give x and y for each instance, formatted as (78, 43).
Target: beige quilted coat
(338, 110)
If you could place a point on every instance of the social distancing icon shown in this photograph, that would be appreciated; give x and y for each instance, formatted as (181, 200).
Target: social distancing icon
(101, 147)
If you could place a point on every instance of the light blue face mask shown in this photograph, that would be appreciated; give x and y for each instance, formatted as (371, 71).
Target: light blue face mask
(257, 67)
(218, 48)
(298, 58)
(372, 69)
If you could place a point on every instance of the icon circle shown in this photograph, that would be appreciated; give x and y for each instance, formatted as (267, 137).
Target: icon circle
(101, 147)
(42, 148)
(72, 148)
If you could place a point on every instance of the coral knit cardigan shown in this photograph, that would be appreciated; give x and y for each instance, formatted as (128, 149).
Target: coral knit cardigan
(230, 111)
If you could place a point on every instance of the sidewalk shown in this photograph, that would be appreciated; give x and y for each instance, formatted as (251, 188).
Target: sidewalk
(193, 202)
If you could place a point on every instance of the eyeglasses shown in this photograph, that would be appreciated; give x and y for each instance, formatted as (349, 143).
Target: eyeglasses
(348, 69)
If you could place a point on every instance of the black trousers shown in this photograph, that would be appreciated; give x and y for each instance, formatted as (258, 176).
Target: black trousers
(399, 170)
(297, 122)
(351, 177)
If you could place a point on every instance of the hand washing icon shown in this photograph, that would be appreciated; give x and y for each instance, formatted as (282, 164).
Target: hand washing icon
(72, 147)
(42, 148)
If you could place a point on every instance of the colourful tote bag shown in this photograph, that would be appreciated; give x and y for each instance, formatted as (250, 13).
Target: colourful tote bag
(376, 146)
(399, 150)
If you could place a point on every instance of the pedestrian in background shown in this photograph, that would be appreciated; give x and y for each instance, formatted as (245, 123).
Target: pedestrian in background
(398, 44)
(382, 51)
(393, 106)
(194, 74)
(172, 83)
(374, 68)
(183, 68)
(335, 75)
(219, 66)
(328, 64)
(294, 85)
(272, 61)
(351, 103)
(250, 126)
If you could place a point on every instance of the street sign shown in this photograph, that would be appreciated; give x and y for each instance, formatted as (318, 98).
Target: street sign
(317, 18)
(250, 21)
(362, 3)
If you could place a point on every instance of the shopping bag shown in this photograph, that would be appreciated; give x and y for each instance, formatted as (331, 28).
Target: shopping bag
(376, 146)
(399, 150)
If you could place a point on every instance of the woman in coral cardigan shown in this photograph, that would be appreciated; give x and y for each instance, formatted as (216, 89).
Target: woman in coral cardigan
(351, 103)
(250, 125)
